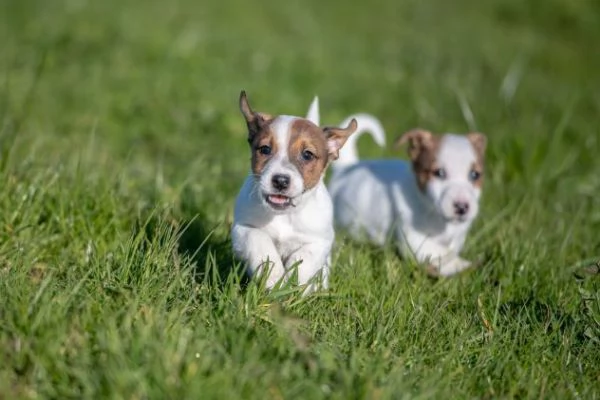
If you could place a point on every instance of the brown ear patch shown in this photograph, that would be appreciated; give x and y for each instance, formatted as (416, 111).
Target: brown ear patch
(417, 139)
(264, 137)
(255, 121)
(479, 143)
(423, 147)
(477, 167)
(260, 136)
(245, 107)
(308, 151)
(336, 138)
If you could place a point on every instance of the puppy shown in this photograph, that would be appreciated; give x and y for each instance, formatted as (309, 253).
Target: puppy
(283, 214)
(425, 206)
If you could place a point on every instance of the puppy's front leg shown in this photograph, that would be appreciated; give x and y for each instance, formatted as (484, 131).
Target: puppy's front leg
(314, 258)
(258, 251)
(453, 266)
(443, 261)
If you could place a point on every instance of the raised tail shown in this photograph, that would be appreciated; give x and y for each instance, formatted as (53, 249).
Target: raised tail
(366, 123)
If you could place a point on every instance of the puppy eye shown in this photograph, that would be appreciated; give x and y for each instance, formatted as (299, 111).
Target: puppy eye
(474, 175)
(439, 173)
(308, 155)
(265, 150)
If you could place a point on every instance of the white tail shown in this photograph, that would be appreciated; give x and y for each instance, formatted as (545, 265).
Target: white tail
(366, 123)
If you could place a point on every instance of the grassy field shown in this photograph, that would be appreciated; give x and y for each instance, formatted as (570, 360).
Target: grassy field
(122, 149)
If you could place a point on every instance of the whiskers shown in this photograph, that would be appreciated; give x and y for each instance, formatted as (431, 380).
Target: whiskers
(259, 191)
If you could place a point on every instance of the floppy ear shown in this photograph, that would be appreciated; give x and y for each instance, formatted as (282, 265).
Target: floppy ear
(418, 140)
(336, 137)
(254, 120)
(479, 142)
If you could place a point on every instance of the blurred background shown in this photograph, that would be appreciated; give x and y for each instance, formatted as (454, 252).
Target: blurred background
(147, 91)
(119, 127)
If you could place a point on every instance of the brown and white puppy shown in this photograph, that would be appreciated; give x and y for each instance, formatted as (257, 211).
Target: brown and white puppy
(283, 214)
(425, 206)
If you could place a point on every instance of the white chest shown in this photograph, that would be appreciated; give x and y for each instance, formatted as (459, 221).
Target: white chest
(289, 232)
(453, 236)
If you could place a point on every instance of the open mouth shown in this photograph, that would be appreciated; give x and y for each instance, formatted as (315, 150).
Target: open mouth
(279, 201)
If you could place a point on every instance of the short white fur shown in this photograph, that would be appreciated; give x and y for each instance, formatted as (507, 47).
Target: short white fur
(272, 241)
(380, 201)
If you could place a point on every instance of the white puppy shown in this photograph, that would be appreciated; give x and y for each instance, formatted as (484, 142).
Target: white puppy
(283, 214)
(425, 208)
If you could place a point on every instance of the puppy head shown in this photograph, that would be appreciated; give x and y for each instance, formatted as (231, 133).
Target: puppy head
(448, 170)
(289, 154)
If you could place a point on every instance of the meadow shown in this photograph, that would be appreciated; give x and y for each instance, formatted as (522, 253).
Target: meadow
(122, 149)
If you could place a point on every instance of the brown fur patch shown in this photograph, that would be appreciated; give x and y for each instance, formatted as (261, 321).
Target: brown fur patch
(306, 136)
(259, 134)
(425, 162)
(423, 148)
(479, 143)
(263, 137)
(478, 166)
(336, 138)
(256, 121)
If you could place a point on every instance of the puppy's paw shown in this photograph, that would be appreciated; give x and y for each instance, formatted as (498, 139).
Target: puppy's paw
(432, 270)
(274, 275)
(449, 267)
(462, 264)
(271, 282)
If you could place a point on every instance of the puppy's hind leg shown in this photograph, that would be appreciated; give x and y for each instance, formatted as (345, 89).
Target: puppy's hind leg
(258, 251)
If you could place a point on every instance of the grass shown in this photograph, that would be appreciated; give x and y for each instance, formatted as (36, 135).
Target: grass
(122, 150)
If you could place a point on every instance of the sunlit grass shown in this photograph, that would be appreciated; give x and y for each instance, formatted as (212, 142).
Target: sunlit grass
(122, 150)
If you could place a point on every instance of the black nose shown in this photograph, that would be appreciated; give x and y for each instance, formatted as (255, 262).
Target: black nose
(280, 182)
(461, 208)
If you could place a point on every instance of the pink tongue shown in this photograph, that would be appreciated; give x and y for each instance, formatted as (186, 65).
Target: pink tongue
(278, 199)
